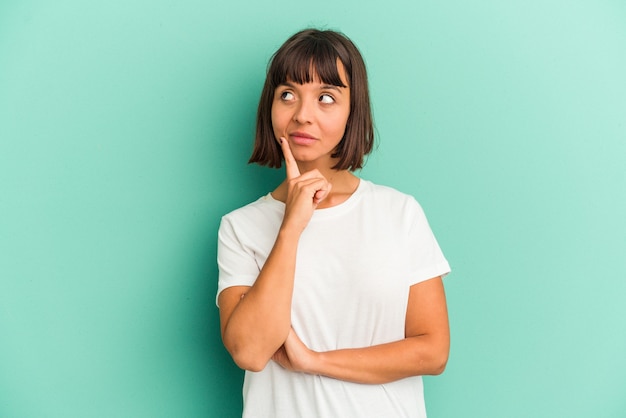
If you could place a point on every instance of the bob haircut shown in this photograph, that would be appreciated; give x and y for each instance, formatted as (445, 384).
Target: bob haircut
(305, 56)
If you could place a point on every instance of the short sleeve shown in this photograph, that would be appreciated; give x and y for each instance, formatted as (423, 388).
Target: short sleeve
(237, 264)
(426, 258)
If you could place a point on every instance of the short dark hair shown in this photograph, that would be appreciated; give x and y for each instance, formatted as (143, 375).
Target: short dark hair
(303, 56)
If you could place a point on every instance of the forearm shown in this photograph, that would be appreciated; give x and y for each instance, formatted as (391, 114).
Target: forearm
(256, 324)
(261, 319)
(413, 356)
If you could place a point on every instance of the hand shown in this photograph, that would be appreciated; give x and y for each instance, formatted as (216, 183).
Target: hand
(304, 191)
(293, 355)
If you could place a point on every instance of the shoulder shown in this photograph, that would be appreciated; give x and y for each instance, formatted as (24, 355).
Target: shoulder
(389, 198)
(260, 211)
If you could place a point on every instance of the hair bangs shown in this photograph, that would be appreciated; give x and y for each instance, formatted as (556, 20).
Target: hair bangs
(307, 62)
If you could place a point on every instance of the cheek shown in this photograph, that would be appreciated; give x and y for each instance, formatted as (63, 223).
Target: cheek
(278, 119)
(339, 124)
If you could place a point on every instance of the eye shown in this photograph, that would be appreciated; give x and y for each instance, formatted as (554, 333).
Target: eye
(326, 99)
(286, 95)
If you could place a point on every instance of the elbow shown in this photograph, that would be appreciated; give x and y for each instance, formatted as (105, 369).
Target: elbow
(249, 363)
(247, 359)
(251, 353)
(433, 361)
(438, 358)
(439, 366)
(438, 363)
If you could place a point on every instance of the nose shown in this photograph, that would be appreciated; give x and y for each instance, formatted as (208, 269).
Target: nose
(304, 112)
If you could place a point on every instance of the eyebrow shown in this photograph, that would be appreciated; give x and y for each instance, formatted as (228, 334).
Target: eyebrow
(323, 87)
(332, 87)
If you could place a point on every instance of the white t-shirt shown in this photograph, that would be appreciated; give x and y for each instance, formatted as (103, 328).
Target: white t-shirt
(355, 264)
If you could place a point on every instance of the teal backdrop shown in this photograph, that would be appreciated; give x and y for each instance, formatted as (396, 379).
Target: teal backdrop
(125, 127)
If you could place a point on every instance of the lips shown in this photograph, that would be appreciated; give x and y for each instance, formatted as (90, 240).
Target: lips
(302, 138)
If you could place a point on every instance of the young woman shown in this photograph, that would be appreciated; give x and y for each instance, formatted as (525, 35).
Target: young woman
(330, 290)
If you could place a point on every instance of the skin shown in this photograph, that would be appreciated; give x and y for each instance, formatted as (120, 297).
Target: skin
(310, 120)
(319, 111)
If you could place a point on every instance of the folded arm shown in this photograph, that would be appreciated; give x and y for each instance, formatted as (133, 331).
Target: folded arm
(255, 320)
(424, 350)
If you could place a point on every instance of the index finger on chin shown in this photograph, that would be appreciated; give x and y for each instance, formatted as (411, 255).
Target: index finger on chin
(290, 163)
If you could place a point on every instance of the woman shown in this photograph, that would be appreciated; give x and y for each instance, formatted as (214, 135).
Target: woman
(330, 290)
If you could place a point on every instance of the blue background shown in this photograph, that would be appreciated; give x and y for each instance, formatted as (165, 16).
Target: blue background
(125, 128)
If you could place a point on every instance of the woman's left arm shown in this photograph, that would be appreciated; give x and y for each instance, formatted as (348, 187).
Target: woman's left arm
(423, 351)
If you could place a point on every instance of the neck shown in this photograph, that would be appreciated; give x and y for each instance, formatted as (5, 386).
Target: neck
(326, 170)
(344, 183)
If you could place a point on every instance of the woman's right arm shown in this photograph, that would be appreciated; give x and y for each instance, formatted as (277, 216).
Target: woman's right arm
(255, 321)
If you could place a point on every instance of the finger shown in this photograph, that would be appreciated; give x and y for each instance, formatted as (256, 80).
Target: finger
(311, 186)
(322, 193)
(279, 353)
(290, 162)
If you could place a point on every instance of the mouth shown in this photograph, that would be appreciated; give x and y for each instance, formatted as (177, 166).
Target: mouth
(302, 138)
(299, 134)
